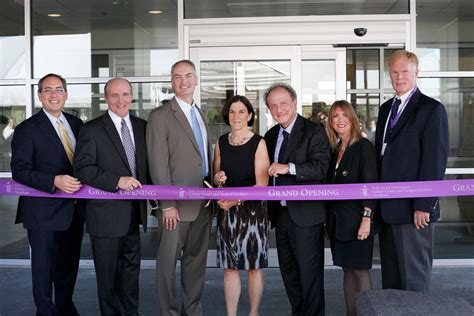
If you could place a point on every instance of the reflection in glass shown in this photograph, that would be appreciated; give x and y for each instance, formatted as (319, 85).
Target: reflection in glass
(454, 237)
(112, 38)
(367, 109)
(223, 79)
(444, 35)
(12, 113)
(457, 94)
(319, 88)
(13, 241)
(386, 74)
(363, 68)
(86, 101)
(12, 40)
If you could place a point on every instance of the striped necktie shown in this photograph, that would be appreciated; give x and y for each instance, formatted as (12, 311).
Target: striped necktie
(66, 140)
(129, 148)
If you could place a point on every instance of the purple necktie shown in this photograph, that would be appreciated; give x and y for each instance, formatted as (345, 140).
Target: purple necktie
(393, 119)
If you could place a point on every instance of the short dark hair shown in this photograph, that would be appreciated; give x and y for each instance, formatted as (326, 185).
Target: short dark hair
(282, 85)
(117, 78)
(40, 82)
(236, 98)
(183, 61)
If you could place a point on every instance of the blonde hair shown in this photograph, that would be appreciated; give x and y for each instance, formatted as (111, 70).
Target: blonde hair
(355, 134)
(403, 53)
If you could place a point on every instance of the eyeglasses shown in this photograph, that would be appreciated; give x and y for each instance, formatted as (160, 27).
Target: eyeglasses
(59, 91)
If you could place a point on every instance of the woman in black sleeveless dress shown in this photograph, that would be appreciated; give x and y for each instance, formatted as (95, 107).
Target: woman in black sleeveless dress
(241, 160)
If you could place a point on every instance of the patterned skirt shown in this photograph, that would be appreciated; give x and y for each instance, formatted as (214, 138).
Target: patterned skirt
(242, 236)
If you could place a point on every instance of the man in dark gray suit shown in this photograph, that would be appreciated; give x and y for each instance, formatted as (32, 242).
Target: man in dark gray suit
(111, 155)
(299, 152)
(179, 152)
(412, 145)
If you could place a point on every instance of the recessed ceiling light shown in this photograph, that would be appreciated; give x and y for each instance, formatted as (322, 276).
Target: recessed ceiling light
(155, 11)
(54, 15)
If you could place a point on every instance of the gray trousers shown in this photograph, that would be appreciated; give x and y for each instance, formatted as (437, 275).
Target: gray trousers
(189, 243)
(406, 256)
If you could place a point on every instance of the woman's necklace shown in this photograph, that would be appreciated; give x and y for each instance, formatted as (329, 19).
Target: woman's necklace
(234, 142)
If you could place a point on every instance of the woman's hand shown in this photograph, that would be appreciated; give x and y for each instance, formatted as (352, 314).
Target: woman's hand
(220, 178)
(227, 204)
(364, 228)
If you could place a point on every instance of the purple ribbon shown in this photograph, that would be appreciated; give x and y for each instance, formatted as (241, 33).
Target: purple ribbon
(356, 191)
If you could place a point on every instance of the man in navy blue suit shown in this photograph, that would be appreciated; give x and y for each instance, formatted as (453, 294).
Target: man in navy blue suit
(412, 144)
(42, 153)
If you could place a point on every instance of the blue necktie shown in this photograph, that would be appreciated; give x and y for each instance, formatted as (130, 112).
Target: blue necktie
(129, 148)
(199, 139)
(286, 135)
(393, 116)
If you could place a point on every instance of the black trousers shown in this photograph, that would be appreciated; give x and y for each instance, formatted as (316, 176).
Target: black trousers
(301, 258)
(117, 268)
(54, 265)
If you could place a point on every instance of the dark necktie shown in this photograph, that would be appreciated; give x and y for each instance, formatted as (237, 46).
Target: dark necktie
(286, 135)
(129, 148)
(393, 116)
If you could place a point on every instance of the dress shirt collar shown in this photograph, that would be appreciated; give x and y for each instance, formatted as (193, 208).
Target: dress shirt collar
(289, 128)
(405, 96)
(118, 120)
(54, 119)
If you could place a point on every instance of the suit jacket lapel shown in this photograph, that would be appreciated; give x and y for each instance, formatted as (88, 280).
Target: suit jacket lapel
(346, 158)
(74, 127)
(183, 121)
(295, 135)
(50, 133)
(115, 138)
(381, 122)
(407, 112)
(272, 140)
(140, 147)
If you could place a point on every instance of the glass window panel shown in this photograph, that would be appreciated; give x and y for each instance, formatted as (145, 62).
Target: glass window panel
(86, 101)
(457, 94)
(319, 88)
(367, 109)
(387, 81)
(12, 113)
(221, 80)
(245, 8)
(104, 38)
(454, 234)
(363, 68)
(13, 240)
(12, 40)
(444, 35)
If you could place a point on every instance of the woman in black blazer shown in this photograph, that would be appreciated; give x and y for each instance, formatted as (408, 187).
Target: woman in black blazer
(353, 160)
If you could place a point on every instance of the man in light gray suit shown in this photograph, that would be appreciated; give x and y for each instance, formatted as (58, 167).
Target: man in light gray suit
(179, 152)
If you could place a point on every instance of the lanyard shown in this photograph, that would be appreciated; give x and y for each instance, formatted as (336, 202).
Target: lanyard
(394, 121)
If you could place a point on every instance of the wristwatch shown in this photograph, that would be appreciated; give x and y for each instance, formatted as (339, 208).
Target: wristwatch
(367, 213)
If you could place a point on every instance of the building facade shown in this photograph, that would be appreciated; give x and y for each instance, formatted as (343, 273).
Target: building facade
(328, 50)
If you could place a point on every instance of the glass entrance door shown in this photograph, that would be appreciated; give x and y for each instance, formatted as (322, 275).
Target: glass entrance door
(317, 74)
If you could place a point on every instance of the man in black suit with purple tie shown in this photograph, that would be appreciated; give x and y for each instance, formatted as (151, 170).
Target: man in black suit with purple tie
(412, 145)
(42, 153)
